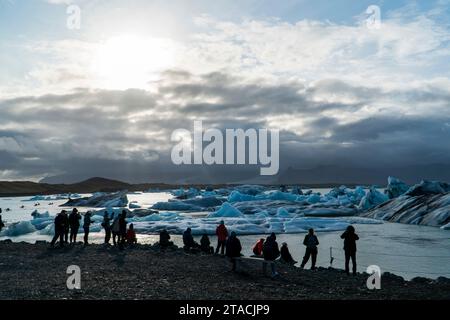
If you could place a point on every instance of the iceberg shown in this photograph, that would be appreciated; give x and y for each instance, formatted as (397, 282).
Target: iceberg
(226, 210)
(395, 188)
(372, 199)
(100, 200)
(422, 208)
(18, 229)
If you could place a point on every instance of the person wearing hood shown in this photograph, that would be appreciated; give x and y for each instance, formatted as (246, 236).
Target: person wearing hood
(285, 255)
(164, 239)
(188, 240)
(59, 229)
(74, 222)
(86, 226)
(271, 252)
(131, 235)
(311, 242)
(233, 249)
(350, 238)
(106, 224)
(222, 234)
(205, 244)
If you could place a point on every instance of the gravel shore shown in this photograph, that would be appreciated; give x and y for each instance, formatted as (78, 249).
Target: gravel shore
(33, 271)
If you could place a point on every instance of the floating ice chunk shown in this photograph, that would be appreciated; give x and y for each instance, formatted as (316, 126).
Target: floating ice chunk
(395, 187)
(134, 205)
(36, 215)
(372, 199)
(176, 205)
(314, 198)
(226, 210)
(100, 200)
(18, 229)
(428, 187)
(283, 213)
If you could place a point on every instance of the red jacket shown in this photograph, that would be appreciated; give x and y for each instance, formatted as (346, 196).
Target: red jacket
(258, 248)
(221, 232)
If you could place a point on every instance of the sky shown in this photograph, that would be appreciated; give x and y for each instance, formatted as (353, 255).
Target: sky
(353, 102)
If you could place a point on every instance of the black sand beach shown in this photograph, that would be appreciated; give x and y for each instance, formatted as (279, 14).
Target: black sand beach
(33, 271)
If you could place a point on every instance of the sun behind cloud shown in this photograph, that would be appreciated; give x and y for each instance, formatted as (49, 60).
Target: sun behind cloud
(131, 61)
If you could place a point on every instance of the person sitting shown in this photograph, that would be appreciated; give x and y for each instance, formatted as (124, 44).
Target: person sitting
(285, 255)
(164, 239)
(131, 235)
(205, 245)
(233, 249)
(271, 252)
(258, 248)
(188, 241)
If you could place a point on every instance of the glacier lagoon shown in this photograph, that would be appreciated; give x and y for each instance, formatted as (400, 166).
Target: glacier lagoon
(406, 250)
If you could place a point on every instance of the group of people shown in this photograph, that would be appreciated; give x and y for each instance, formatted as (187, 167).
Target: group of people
(228, 244)
(66, 224)
(268, 248)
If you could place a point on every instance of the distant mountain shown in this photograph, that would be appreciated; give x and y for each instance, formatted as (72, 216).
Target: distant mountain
(23, 188)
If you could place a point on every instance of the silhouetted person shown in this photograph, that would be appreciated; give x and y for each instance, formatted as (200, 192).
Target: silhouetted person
(86, 225)
(350, 238)
(115, 228)
(285, 255)
(59, 229)
(205, 245)
(222, 234)
(311, 242)
(188, 240)
(131, 235)
(164, 239)
(74, 223)
(271, 252)
(233, 249)
(122, 228)
(2, 224)
(258, 247)
(66, 228)
(106, 224)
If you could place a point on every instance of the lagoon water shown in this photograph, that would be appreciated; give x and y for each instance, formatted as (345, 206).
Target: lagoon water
(406, 250)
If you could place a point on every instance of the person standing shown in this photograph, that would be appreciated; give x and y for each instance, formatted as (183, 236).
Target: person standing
(222, 234)
(122, 229)
(116, 230)
(106, 224)
(59, 229)
(74, 222)
(66, 228)
(86, 226)
(131, 235)
(311, 242)
(271, 252)
(2, 224)
(350, 238)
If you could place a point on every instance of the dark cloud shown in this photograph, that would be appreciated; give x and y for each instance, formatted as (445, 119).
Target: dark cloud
(126, 134)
